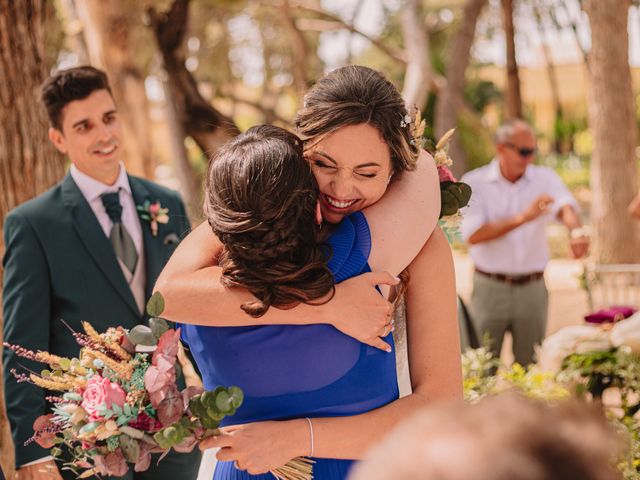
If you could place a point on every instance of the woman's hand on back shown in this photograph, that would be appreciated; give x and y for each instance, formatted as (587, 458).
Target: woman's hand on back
(360, 311)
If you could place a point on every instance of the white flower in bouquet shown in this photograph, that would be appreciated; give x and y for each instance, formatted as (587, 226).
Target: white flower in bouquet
(574, 339)
(627, 333)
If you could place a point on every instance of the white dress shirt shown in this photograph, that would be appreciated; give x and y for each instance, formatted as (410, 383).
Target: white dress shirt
(92, 189)
(494, 198)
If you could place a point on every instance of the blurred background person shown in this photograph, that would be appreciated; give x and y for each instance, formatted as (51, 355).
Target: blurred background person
(505, 437)
(505, 226)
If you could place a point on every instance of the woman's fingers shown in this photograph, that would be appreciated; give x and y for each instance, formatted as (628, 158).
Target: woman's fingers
(226, 455)
(218, 441)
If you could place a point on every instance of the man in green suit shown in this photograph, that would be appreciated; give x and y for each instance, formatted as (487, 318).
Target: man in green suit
(82, 251)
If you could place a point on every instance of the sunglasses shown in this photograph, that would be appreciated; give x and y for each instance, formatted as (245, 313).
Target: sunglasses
(523, 152)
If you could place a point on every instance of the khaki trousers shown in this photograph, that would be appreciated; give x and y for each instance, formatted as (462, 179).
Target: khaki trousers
(521, 309)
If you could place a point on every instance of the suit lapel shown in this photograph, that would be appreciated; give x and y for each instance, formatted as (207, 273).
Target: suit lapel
(152, 245)
(95, 241)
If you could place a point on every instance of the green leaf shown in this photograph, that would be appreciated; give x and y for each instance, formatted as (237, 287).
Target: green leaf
(466, 194)
(117, 409)
(142, 335)
(214, 414)
(56, 452)
(74, 397)
(449, 203)
(64, 363)
(127, 409)
(237, 396)
(89, 427)
(208, 399)
(223, 401)
(209, 423)
(158, 325)
(155, 305)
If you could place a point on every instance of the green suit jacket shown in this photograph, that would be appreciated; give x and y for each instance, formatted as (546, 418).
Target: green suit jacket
(59, 264)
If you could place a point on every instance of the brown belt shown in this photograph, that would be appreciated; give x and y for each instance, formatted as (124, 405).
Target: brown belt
(513, 279)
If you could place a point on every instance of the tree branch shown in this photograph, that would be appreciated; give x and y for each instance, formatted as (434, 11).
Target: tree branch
(334, 22)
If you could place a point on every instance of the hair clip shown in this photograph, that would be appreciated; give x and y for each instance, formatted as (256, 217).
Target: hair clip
(406, 120)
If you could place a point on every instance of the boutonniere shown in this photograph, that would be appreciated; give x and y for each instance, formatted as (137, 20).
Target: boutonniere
(154, 213)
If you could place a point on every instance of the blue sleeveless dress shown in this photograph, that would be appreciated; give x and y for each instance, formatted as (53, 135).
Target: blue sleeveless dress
(291, 371)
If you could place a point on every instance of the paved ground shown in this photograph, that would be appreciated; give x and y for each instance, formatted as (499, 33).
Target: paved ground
(567, 301)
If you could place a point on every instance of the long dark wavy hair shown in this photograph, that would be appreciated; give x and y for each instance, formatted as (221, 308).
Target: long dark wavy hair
(261, 201)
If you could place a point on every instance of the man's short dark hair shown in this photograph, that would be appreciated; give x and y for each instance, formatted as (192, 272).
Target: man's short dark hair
(68, 85)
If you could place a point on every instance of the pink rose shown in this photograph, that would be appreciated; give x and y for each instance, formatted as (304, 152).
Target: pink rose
(101, 391)
(445, 175)
(154, 208)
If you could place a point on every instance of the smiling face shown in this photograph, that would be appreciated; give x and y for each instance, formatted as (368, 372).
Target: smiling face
(91, 136)
(352, 166)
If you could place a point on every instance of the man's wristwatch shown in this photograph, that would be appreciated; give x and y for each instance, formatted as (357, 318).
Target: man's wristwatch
(580, 232)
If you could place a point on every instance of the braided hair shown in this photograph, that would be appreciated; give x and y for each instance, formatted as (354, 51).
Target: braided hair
(261, 200)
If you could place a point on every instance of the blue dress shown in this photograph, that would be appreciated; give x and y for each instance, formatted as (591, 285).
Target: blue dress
(297, 371)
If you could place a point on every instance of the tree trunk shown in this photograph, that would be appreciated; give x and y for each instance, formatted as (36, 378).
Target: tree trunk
(209, 128)
(513, 98)
(553, 78)
(108, 36)
(450, 102)
(300, 54)
(28, 162)
(417, 77)
(612, 123)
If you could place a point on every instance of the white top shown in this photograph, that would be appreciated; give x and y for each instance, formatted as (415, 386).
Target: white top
(92, 189)
(494, 198)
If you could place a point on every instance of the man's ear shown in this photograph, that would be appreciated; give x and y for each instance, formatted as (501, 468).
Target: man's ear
(58, 140)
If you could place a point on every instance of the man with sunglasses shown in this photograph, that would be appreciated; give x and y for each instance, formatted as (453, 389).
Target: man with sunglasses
(505, 225)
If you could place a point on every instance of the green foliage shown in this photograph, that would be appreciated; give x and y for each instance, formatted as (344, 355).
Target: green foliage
(475, 140)
(453, 196)
(587, 374)
(479, 94)
(155, 305)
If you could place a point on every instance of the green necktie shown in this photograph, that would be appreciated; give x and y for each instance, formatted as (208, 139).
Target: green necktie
(121, 241)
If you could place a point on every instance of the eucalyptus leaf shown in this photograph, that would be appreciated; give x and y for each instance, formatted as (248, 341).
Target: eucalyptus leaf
(237, 396)
(155, 305)
(449, 203)
(466, 194)
(158, 326)
(130, 448)
(142, 335)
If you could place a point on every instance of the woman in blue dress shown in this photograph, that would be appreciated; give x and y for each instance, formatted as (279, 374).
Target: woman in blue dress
(349, 420)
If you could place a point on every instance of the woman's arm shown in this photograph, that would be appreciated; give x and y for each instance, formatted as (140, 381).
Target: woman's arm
(436, 374)
(403, 219)
(190, 285)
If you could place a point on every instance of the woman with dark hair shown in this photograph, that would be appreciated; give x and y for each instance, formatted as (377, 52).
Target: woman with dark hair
(342, 402)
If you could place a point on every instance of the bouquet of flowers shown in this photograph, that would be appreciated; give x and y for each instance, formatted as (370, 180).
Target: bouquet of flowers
(118, 401)
(454, 195)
